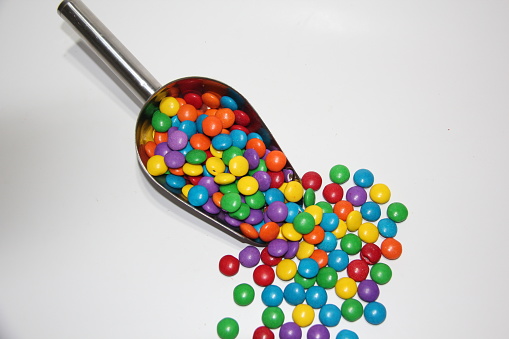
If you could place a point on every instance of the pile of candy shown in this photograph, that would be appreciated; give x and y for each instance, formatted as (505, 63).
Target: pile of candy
(209, 148)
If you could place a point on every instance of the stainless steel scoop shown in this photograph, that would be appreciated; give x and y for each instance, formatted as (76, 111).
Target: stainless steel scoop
(149, 92)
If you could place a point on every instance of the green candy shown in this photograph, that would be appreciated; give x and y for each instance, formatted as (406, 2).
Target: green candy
(352, 310)
(351, 244)
(380, 273)
(161, 122)
(327, 277)
(325, 206)
(339, 174)
(231, 153)
(242, 213)
(231, 202)
(309, 197)
(397, 212)
(304, 223)
(273, 317)
(227, 328)
(243, 294)
(196, 157)
(229, 188)
(261, 167)
(304, 282)
(255, 201)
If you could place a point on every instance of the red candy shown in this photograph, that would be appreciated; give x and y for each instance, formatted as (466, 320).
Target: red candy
(333, 192)
(268, 259)
(241, 118)
(263, 332)
(229, 265)
(276, 178)
(264, 275)
(311, 180)
(357, 270)
(371, 254)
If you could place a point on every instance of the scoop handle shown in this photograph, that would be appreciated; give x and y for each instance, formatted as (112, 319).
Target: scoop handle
(109, 49)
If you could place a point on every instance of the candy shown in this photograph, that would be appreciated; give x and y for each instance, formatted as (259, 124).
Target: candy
(229, 265)
(329, 315)
(333, 193)
(351, 309)
(308, 268)
(316, 297)
(368, 290)
(286, 269)
(318, 331)
(387, 228)
(351, 244)
(327, 277)
(290, 330)
(375, 313)
(294, 293)
(397, 212)
(263, 275)
(346, 288)
(277, 247)
(380, 193)
(358, 270)
(370, 211)
(263, 332)
(347, 334)
(249, 256)
(338, 260)
(227, 328)
(243, 294)
(312, 180)
(339, 174)
(371, 253)
(391, 248)
(272, 295)
(303, 315)
(381, 273)
(273, 317)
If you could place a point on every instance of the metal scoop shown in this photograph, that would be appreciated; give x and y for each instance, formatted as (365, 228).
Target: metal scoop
(149, 92)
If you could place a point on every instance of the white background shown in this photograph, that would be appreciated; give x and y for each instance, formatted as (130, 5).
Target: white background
(415, 91)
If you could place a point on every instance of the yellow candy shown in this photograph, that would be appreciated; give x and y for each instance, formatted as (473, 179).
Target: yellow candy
(354, 220)
(247, 185)
(238, 166)
(368, 233)
(294, 191)
(169, 106)
(290, 233)
(340, 231)
(215, 166)
(317, 213)
(380, 193)
(224, 178)
(286, 269)
(303, 315)
(185, 189)
(215, 152)
(156, 165)
(283, 187)
(305, 250)
(192, 170)
(346, 288)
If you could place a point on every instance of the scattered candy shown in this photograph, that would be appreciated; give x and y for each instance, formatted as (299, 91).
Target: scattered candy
(308, 243)
(227, 328)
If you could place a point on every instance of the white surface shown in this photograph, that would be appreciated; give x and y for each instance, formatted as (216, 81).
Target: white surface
(416, 91)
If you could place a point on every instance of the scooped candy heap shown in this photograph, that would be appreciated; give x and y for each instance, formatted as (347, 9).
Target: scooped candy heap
(201, 146)
(338, 245)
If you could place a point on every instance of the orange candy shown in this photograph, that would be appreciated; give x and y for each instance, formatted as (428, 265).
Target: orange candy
(181, 101)
(212, 126)
(391, 248)
(160, 137)
(275, 161)
(269, 231)
(150, 148)
(248, 230)
(321, 257)
(187, 112)
(200, 141)
(226, 116)
(258, 145)
(216, 198)
(210, 99)
(342, 208)
(177, 171)
(316, 236)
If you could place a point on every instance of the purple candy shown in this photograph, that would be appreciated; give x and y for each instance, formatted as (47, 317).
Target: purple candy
(210, 207)
(277, 248)
(177, 140)
(162, 149)
(277, 211)
(255, 217)
(290, 330)
(232, 221)
(318, 331)
(209, 184)
(263, 179)
(293, 247)
(252, 158)
(288, 174)
(368, 290)
(356, 195)
(172, 129)
(249, 256)
(174, 159)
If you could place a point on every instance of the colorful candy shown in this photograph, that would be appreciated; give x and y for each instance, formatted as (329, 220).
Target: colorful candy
(313, 246)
